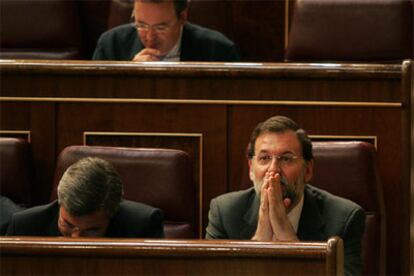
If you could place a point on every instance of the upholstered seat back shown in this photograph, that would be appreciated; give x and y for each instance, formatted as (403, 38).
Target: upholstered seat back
(159, 177)
(16, 171)
(348, 169)
(40, 29)
(351, 30)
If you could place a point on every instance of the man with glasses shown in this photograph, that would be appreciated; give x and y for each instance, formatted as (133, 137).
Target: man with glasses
(160, 32)
(282, 206)
(89, 204)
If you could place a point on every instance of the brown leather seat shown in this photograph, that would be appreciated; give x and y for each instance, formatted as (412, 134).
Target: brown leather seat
(16, 171)
(348, 169)
(351, 30)
(120, 12)
(162, 178)
(41, 29)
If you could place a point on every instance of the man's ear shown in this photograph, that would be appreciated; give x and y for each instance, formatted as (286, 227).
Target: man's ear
(308, 171)
(183, 16)
(251, 175)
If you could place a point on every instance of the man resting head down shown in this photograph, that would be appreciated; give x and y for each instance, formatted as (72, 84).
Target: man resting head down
(89, 204)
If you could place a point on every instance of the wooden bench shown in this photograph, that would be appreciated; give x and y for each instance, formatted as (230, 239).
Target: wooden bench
(53, 256)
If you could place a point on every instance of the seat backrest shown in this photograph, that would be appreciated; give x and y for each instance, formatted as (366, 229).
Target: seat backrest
(162, 178)
(16, 170)
(120, 12)
(351, 30)
(348, 169)
(41, 29)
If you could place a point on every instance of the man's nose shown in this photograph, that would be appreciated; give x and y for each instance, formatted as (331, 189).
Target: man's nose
(150, 35)
(274, 166)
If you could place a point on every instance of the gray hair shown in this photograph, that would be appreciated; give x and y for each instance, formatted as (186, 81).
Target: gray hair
(89, 185)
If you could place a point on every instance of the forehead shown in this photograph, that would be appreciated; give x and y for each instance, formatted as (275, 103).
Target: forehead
(278, 142)
(154, 13)
(89, 220)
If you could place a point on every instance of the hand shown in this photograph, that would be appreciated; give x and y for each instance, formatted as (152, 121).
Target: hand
(147, 54)
(264, 230)
(279, 221)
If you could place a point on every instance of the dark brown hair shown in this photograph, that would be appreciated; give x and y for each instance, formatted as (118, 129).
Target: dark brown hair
(281, 124)
(179, 5)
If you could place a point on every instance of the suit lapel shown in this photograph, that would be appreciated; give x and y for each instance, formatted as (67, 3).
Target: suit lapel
(250, 218)
(311, 225)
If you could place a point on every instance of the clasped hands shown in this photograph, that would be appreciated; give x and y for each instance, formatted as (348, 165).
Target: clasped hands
(148, 54)
(273, 223)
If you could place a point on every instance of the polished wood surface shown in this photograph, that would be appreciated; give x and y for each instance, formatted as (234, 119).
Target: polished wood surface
(215, 106)
(46, 256)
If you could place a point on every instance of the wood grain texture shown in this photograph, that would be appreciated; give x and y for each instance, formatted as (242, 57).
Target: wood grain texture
(59, 101)
(47, 256)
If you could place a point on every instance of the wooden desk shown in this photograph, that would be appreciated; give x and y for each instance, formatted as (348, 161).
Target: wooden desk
(209, 111)
(51, 256)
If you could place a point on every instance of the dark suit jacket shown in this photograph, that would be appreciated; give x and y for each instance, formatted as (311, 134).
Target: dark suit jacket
(133, 220)
(7, 209)
(234, 216)
(198, 44)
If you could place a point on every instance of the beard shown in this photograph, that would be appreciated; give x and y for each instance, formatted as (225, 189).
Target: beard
(293, 191)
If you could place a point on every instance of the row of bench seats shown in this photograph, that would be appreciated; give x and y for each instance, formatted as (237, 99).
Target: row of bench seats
(346, 169)
(320, 30)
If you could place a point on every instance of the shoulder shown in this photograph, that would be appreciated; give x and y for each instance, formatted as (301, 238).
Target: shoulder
(119, 43)
(135, 219)
(34, 221)
(41, 211)
(334, 209)
(7, 206)
(238, 201)
(122, 32)
(7, 209)
(130, 206)
(203, 34)
(138, 212)
(324, 197)
(203, 44)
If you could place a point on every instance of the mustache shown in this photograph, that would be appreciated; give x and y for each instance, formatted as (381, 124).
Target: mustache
(283, 182)
(286, 188)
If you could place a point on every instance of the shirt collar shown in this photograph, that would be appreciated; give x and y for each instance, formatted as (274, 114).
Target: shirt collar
(294, 214)
(175, 52)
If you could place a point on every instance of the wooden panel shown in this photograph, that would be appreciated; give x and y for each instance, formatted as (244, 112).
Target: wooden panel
(59, 102)
(50, 256)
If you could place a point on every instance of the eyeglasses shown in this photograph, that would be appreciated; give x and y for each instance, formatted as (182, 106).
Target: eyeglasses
(283, 161)
(158, 28)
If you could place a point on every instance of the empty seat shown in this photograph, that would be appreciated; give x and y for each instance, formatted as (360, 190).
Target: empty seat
(348, 169)
(16, 171)
(41, 29)
(162, 178)
(351, 30)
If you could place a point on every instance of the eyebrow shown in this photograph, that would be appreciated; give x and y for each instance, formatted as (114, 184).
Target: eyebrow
(158, 24)
(283, 153)
(68, 223)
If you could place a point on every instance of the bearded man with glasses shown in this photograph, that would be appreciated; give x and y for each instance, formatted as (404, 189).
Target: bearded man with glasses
(282, 206)
(160, 32)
